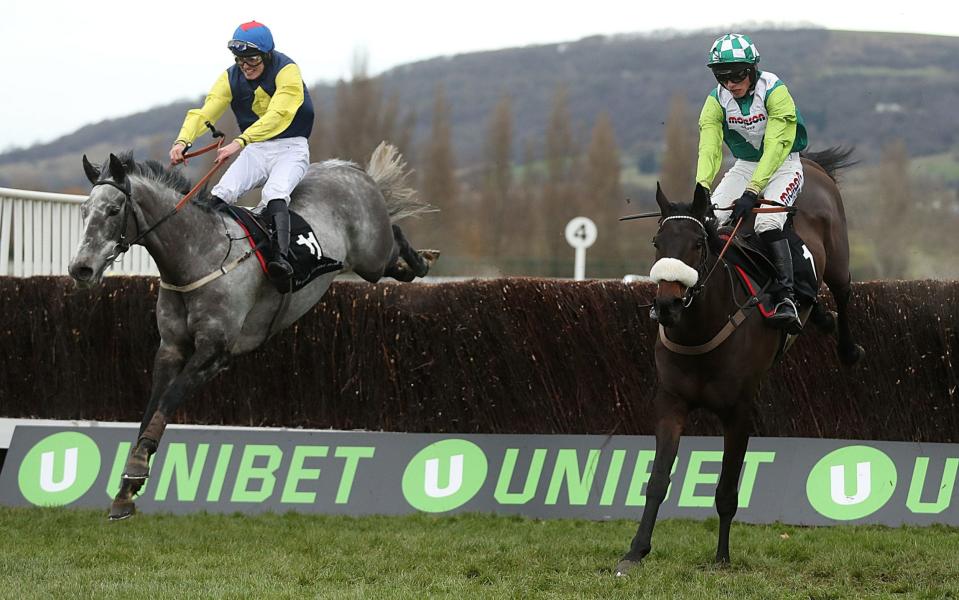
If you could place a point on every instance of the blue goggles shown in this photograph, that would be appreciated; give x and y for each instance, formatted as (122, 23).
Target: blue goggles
(242, 47)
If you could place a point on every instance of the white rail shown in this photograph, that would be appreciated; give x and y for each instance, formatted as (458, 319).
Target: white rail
(40, 231)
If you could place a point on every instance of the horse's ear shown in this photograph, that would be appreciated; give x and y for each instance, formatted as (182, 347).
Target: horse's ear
(665, 207)
(93, 173)
(700, 201)
(117, 169)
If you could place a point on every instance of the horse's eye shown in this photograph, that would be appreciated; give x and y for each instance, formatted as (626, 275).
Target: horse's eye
(113, 211)
(700, 243)
(655, 243)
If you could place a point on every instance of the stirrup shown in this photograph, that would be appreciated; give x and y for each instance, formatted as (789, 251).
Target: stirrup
(782, 319)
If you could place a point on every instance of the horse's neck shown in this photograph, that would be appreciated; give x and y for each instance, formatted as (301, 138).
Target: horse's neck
(710, 309)
(181, 245)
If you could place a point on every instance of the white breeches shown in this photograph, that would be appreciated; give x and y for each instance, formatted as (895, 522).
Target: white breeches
(278, 165)
(783, 189)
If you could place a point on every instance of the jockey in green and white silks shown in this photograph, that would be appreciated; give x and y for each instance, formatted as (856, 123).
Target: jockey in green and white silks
(753, 112)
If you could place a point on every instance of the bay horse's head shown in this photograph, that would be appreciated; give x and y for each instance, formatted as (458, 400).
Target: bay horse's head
(681, 250)
(107, 216)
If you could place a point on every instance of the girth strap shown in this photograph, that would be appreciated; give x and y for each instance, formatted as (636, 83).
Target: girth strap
(734, 321)
(212, 276)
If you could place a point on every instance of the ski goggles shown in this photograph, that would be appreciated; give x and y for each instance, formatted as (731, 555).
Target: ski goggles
(241, 47)
(251, 61)
(732, 77)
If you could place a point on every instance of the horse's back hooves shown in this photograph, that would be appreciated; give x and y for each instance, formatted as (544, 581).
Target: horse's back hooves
(824, 320)
(851, 355)
(428, 258)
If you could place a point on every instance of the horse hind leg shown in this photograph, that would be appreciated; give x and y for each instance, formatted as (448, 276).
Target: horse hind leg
(409, 263)
(849, 351)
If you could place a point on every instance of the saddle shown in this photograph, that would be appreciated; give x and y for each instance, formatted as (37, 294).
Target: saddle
(758, 275)
(306, 254)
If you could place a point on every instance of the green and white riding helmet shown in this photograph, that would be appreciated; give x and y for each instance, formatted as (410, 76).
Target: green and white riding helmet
(731, 53)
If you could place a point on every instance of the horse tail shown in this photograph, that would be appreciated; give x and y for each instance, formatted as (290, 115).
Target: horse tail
(832, 160)
(388, 170)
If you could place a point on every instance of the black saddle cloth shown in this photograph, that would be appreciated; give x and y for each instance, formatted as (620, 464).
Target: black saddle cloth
(306, 255)
(753, 261)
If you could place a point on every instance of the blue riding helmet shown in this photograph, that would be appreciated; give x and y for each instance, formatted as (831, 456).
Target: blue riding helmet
(251, 39)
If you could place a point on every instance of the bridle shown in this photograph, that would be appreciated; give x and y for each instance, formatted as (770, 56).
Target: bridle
(692, 292)
(696, 289)
(122, 245)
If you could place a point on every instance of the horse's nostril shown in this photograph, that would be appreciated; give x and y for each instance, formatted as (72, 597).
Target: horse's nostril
(81, 273)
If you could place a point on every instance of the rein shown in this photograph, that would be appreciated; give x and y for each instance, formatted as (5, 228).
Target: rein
(736, 318)
(122, 245)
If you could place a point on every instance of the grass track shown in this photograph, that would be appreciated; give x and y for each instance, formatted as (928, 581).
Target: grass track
(61, 553)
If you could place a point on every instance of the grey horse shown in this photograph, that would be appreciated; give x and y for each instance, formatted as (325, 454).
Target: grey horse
(213, 304)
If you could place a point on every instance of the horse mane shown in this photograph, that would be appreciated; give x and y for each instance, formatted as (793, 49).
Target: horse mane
(165, 176)
(832, 160)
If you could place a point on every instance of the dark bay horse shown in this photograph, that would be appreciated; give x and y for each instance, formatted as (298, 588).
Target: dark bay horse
(351, 211)
(725, 379)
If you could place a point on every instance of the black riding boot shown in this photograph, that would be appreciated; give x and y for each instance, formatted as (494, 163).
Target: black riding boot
(280, 268)
(786, 317)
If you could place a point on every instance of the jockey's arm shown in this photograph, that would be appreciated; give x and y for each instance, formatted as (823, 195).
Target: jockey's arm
(217, 101)
(281, 109)
(778, 139)
(710, 142)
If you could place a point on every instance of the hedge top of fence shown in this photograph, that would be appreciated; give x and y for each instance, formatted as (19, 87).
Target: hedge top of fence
(515, 355)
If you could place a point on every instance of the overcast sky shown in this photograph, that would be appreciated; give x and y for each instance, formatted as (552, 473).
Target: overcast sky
(72, 63)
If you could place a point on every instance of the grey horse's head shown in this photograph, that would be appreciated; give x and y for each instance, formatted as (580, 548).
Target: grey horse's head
(107, 214)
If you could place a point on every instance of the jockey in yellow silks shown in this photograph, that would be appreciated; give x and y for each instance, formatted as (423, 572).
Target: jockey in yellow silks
(265, 90)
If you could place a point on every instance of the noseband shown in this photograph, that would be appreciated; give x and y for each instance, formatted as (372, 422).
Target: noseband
(693, 291)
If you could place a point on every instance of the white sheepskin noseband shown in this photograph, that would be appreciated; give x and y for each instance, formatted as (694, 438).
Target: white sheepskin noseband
(673, 269)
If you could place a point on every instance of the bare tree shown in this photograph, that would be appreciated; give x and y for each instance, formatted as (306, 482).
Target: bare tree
(438, 180)
(319, 142)
(678, 167)
(498, 180)
(893, 204)
(601, 185)
(363, 118)
(559, 190)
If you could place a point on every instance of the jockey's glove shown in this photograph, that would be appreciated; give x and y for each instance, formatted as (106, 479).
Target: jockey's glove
(744, 205)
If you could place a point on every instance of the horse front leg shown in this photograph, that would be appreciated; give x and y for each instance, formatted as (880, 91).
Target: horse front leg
(736, 428)
(208, 360)
(167, 365)
(669, 428)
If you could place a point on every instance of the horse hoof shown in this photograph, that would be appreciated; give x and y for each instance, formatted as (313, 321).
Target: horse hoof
(136, 473)
(624, 567)
(851, 355)
(825, 321)
(121, 509)
(430, 256)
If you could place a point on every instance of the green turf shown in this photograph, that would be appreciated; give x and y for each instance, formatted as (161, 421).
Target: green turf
(58, 553)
